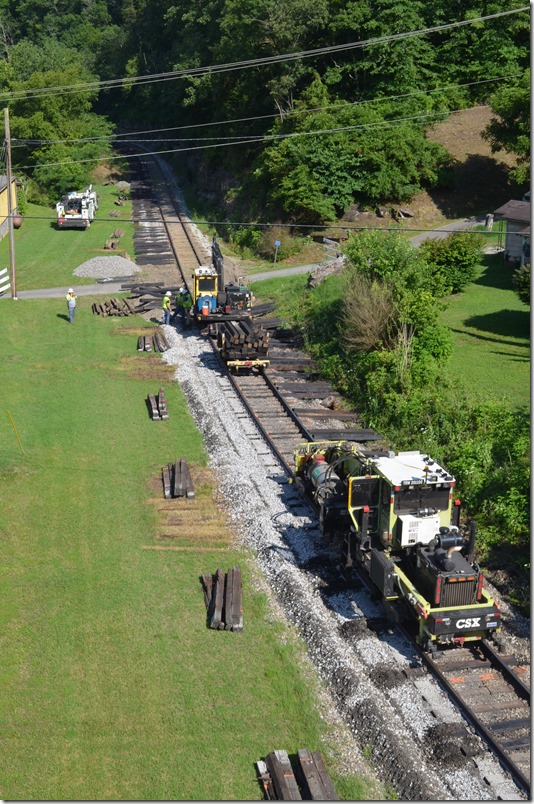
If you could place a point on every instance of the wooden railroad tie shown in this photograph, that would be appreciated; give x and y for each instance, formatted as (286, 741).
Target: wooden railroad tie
(119, 307)
(242, 340)
(224, 599)
(177, 480)
(309, 781)
(157, 405)
(157, 342)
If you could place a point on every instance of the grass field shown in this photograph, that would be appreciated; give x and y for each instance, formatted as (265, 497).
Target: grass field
(113, 688)
(491, 329)
(46, 256)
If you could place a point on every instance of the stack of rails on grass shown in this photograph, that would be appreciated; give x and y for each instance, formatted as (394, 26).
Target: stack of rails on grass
(308, 781)
(157, 406)
(120, 307)
(177, 480)
(223, 597)
(157, 342)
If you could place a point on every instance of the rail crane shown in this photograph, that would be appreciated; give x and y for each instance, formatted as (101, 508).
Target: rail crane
(395, 516)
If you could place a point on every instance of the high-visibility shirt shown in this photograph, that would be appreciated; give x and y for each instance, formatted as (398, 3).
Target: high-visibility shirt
(166, 304)
(185, 300)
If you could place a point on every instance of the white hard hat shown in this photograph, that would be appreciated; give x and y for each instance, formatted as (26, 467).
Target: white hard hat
(168, 293)
(70, 290)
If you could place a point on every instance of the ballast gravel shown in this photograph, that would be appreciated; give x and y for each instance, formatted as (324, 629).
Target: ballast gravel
(416, 738)
(103, 267)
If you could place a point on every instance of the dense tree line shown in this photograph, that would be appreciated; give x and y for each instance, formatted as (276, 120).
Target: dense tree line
(337, 127)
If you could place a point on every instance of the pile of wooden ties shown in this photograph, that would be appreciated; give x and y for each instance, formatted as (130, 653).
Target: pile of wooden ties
(157, 405)
(309, 782)
(223, 597)
(177, 480)
(113, 307)
(157, 342)
(242, 340)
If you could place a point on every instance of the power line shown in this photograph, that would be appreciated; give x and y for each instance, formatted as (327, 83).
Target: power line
(348, 104)
(241, 65)
(262, 138)
(268, 225)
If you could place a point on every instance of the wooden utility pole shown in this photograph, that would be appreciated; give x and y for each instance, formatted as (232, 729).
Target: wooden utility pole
(10, 206)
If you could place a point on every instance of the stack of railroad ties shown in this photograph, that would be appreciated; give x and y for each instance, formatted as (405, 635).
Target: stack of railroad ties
(223, 597)
(243, 344)
(309, 782)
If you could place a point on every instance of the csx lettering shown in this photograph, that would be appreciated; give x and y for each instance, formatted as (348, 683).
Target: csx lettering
(468, 622)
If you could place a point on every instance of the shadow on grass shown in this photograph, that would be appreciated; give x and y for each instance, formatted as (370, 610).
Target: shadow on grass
(506, 323)
(482, 185)
(496, 274)
(63, 316)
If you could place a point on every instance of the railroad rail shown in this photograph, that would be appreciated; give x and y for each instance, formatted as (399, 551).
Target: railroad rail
(291, 403)
(488, 688)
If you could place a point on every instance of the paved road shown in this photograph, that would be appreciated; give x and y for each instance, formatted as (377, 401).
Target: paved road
(110, 288)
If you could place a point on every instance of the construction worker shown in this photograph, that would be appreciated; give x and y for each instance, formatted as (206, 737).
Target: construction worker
(71, 304)
(184, 302)
(166, 304)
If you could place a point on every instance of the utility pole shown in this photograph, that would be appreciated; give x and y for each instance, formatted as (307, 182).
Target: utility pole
(10, 206)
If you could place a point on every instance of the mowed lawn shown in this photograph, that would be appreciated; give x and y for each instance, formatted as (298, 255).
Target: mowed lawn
(491, 329)
(113, 687)
(46, 256)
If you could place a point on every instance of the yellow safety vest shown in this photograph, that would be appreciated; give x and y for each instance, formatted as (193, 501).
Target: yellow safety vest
(166, 304)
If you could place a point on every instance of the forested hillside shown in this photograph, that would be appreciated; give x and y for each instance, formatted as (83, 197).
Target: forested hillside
(295, 110)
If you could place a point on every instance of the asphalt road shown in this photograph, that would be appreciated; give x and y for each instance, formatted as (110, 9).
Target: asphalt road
(110, 288)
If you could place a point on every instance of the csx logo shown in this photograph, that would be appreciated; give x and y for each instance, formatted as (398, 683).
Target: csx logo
(468, 622)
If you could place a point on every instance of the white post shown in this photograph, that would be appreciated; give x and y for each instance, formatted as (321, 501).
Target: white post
(10, 206)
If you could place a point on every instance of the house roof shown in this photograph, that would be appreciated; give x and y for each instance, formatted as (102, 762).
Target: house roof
(524, 232)
(515, 211)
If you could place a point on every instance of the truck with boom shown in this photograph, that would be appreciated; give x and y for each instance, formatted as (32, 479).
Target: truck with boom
(77, 210)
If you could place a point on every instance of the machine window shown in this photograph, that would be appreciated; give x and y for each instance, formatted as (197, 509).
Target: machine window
(409, 500)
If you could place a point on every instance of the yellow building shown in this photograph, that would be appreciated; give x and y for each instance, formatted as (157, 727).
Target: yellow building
(4, 209)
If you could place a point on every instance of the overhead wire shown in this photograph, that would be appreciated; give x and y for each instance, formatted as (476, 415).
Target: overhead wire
(262, 138)
(267, 225)
(294, 112)
(246, 64)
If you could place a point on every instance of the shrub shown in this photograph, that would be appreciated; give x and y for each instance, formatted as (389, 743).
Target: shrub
(453, 260)
(521, 283)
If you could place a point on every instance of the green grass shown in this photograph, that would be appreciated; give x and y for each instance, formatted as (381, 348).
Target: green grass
(491, 329)
(46, 256)
(113, 688)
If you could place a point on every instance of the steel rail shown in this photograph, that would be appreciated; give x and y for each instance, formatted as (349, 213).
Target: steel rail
(517, 774)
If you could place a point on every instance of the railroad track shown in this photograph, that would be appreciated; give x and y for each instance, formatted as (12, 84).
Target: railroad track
(491, 691)
(287, 402)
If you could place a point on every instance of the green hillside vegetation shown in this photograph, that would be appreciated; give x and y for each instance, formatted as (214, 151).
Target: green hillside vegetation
(113, 687)
(297, 139)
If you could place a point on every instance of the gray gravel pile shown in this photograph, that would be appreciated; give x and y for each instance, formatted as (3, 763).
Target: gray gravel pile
(416, 737)
(104, 267)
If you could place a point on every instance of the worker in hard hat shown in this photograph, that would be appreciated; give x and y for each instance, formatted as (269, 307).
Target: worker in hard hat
(166, 304)
(184, 302)
(71, 304)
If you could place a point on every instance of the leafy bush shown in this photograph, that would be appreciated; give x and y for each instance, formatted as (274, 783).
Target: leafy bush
(453, 260)
(521, 283)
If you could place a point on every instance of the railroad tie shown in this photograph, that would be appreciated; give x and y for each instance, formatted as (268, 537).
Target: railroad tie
(307, 779)
(223, 598)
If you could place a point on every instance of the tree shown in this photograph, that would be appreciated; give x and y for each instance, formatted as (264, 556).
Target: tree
(509, 130)
(55, 133)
